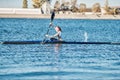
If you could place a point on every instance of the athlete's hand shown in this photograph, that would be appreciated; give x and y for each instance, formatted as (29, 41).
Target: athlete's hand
(46, 35)
(51, 24)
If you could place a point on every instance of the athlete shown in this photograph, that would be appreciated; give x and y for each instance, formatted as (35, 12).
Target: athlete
(57, 35)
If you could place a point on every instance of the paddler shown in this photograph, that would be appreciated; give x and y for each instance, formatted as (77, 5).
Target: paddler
(57, 35)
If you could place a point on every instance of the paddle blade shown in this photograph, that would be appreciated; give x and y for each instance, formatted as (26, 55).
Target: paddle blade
(52, 16)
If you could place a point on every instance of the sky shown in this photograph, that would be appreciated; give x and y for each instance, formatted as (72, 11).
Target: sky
(89, 3)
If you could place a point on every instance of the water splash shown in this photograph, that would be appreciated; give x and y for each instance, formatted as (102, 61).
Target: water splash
(86, 37)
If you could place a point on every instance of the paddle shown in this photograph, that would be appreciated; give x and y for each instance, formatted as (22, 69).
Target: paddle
(51, 20)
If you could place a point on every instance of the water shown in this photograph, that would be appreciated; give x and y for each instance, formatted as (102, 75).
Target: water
(60, 62)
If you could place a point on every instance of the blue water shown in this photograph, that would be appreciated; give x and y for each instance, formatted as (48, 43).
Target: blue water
(60, 62)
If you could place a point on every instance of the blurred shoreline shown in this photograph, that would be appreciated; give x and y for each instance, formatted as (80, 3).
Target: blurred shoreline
(37, 13)
(61, 16)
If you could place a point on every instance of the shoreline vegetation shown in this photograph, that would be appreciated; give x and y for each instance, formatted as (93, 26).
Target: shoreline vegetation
(61, 16)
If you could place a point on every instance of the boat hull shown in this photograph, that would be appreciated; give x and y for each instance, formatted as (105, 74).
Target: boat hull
(56, 42)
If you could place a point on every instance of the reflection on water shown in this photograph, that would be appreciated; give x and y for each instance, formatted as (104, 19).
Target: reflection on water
(57, 47)
(69, 62)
